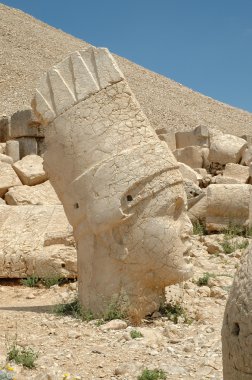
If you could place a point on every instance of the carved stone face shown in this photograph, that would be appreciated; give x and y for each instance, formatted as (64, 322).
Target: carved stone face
(119, 184)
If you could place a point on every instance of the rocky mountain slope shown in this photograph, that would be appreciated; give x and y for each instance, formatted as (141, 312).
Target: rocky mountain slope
(29, 47)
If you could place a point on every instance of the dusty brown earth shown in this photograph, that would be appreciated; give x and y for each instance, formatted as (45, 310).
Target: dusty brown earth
(29, 47)
(84, 349)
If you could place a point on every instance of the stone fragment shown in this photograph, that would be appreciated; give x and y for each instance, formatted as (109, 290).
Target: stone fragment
(247, 156)
(115, 324)
(198, 136)
(27, 146)
(8, 178)
(237, 324)
(222, 180)
(12, 150)
(42, 194)
(191, 156)
(4, 128)
(197, 208)
(213, 244)
(227, 204)
(2, 148)
(192, 190)
(30, 170)
(226, 149)
(21, 126)
(6, 159)
(120, 185)
(248, 138)
(236, 171)
(23, 233)
(168, 137)
(189, 174)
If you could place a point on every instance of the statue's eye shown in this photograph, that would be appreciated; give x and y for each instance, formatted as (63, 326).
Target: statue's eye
(129, 198)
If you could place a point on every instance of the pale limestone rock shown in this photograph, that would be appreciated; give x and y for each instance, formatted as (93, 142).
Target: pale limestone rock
(189, 174)
(30, 170)
(12, 150)
(198, 208)
(198, 136)
(237, 324)
(25, 249)
(43, 194)
(115, 324)
(27, 146)
(227, 204)
(236, 171)
(191, 156)
(6, 159)
(168, 137)
(222, 180)
(226, 149)
(248, 138)
(8, 178)
(2, 148)
(119, 184)
(247, 156)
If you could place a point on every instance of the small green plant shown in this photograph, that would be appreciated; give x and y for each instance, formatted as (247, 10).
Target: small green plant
(199, 228)
(20, 355)
(173, 311)
(136, 334)
(227, 246)
(203, 281)
(75, 310)
(31, 281)
(242, 245)
(113, 311)
(152, 374)
(51, 281)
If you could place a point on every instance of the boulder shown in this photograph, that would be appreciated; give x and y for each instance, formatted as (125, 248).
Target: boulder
(228, 204)
(42, 194)
(197, 208)
(221, 180)
(21, 125)
(30, 170)
(237, 324)
(247, 156)
(168, 137)
(198, 136)
(238, 172)
(189, 174)
(12, 150)
(226, 149)
(26, 249)
(191, 156)
(6, 159)
(8, 178)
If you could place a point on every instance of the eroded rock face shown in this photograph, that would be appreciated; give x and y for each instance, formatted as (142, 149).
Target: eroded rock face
(237, 325)
(119, 184)
(36, 240)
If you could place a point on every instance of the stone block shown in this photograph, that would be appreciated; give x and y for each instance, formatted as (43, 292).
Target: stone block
(238, 172)
(227, 204)
(8, 178)
(4, 129)
(12, 150)
(168, 137)
(36, 240)
(30, 170)
(226, 149)
(191, 156)
(42, 194)
(197, 208)
(189, 174)
(198, 136)
(247, 156)
(21, 125)
(5, 158)
(27, 146)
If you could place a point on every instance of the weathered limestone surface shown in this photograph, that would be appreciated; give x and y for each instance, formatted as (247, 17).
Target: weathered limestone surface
(4, 128)
(43, 194)
(36, 240)
(228, 203)
(238, 172)
(197, 209)
(28, 146)
(247, 156)
(237, 324)
(198, 136)
(188, 173)
(191, 156)
(12, 150)
(8, 178)
(119, 184)
(21, 126)
(226, 149)
(6, 159)
(30, 170)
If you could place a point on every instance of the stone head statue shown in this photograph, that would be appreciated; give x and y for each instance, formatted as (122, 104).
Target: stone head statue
(119, 184)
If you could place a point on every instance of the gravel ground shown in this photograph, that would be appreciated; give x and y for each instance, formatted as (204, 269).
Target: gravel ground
(87, 350)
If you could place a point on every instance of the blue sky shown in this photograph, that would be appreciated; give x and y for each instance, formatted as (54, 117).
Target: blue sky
(203, 44)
